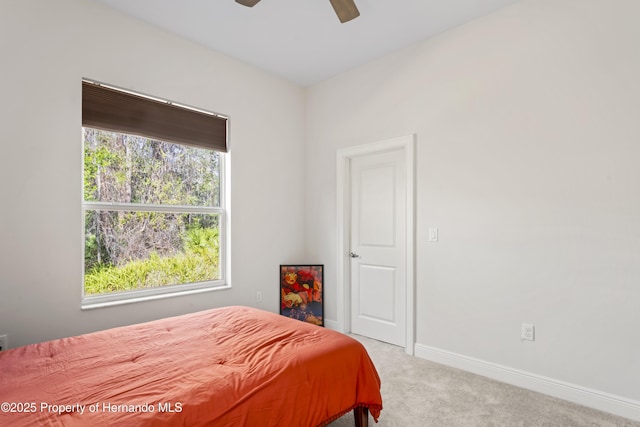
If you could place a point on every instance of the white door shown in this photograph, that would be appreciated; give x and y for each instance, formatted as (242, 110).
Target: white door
(378, 246)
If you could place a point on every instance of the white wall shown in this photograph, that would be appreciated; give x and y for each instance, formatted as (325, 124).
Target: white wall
(528, 131)
(46, 48)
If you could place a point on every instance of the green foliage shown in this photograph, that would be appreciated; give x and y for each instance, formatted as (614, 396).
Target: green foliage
(94, 160)
(203, 242)
(198, 263)
(90, 247)
(137, 248)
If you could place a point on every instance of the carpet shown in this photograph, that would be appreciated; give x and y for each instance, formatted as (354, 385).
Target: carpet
(418, 392)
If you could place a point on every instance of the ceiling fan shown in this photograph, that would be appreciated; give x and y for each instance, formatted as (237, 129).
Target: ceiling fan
(345, 9)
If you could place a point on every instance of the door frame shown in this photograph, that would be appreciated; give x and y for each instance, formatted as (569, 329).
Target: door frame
(343, 209)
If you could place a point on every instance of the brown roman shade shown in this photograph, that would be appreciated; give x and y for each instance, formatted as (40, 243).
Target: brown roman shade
(114, 110)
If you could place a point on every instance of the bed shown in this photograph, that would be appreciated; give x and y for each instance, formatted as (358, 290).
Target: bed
(231, 366)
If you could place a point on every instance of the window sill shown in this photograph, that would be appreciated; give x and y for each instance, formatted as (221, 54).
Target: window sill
(121, 298)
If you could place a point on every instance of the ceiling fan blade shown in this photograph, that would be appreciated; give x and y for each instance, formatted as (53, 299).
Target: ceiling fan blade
(345, 9)
(248, 3)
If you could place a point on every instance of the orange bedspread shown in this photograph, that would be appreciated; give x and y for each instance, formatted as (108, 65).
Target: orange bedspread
(232, 366)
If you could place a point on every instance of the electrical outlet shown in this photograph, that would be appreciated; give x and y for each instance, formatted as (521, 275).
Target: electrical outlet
(528, 332)
(259, 296)
(3, 342)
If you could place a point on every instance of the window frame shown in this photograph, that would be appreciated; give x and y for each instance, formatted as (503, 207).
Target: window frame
(167, 291)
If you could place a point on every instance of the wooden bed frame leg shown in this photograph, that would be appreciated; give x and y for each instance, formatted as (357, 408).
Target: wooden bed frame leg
(361, 416)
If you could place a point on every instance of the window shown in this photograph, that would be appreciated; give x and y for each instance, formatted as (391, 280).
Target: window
(153, 198)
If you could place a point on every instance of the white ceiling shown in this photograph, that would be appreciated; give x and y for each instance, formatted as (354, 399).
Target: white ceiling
(302, 40)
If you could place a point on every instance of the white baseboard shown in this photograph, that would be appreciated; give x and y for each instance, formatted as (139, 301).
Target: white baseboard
(595, 399)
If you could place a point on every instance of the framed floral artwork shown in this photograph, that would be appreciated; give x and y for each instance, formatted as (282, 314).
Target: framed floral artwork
(301, 292)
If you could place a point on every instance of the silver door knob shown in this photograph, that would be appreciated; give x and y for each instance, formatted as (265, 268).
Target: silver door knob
(354, 255)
